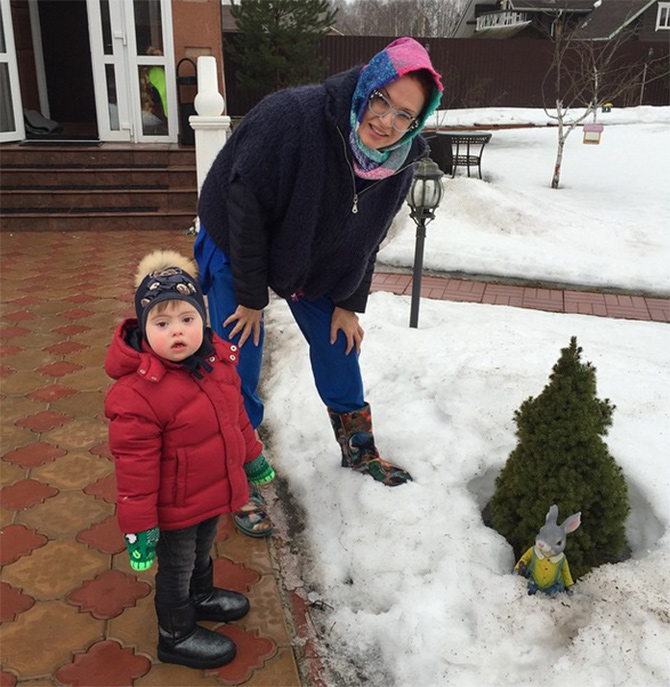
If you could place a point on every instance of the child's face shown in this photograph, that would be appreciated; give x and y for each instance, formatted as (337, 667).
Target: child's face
(176, 332)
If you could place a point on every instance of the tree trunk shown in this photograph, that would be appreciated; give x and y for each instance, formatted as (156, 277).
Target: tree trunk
(556, 178)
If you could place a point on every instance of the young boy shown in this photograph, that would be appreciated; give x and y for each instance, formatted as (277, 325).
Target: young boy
(184, 451)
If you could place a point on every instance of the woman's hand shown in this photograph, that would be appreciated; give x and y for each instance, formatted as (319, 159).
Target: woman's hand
(248, 321)
(347, 321)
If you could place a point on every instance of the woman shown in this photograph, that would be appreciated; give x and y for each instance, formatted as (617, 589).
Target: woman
(299, 200)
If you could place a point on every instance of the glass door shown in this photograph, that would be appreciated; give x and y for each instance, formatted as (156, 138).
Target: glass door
(133, 69)
(109, 41)
(11, 109)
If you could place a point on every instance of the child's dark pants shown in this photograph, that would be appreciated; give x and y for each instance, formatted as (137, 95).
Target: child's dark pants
(181, 553)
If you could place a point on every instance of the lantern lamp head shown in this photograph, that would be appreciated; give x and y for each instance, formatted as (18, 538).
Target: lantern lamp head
(426, 191)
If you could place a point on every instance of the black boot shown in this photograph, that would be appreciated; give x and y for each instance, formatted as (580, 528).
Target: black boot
(183, 642)
(212, 603)
(353, 432)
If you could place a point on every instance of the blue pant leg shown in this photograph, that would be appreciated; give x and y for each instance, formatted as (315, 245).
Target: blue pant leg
(222, 303)
(337, 375)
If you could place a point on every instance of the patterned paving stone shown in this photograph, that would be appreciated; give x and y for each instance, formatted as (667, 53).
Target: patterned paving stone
(7, 679)
(7, 351)
(10, 473)
(50, 308)
(6, 517)
(163, 674)
(78, 435)
(35, 643)
(73, 471)
(281, 669)
(252, 652)
(28, 360)
(23, 383)
(28, 300)
(25, 494)
(266, 614)
(38, 339)
(104, 536)
(61, 515)
(137, 627)
(13, 332)
(81, 298)
(53, 570)
(85, 404)
(90, 356)
(15, 437)
(44, 421)
(18, 316)
(72, 329)
(77, 314)
(103, 488)
(13, 602)
(89, 379)
(16, 407)
(105, 663)
(52, 392)
(61, 368)
(65, 347)
(34, 455)
(108, 594)
(17, 541)
(235, 576)
(232, 544)
(101, 450)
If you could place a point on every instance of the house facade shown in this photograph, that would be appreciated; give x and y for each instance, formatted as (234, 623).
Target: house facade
(102, 70)
(649, 20)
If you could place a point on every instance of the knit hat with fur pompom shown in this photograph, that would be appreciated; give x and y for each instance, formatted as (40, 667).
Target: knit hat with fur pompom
(165, 275)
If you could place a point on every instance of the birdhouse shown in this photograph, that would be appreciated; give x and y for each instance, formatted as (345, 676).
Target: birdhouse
(607, 107)
(592, 133)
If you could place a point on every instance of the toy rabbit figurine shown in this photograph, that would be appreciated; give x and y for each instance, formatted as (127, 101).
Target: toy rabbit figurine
(545, 564)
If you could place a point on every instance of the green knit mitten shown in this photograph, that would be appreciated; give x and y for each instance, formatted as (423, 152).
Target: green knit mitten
(259, 471)
(142, 548)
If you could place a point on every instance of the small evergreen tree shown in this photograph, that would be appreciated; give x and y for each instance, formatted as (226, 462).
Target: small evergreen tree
(278, 40)
(561, 458)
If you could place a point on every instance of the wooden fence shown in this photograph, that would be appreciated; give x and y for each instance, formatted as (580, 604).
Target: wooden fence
(476, 72)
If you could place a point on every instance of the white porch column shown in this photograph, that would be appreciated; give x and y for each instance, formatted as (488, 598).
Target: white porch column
(210, 125)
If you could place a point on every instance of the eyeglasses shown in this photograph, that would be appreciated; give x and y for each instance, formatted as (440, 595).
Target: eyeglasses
(380, 106)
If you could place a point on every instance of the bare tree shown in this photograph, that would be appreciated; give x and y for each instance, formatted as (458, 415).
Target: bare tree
(418, 18)
(583, 76)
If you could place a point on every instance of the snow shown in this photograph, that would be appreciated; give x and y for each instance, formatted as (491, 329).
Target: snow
(416, 591)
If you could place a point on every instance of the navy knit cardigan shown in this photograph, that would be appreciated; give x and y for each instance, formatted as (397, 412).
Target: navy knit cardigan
(279, 199)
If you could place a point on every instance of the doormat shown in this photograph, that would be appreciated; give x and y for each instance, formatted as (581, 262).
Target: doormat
(55, 142)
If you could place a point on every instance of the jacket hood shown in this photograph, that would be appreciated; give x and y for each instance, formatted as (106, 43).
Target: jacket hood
(123, 358)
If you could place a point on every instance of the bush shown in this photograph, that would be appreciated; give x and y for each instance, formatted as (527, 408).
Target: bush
(561, 458)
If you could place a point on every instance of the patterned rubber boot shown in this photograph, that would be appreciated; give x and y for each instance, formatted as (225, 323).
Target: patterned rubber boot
(353, 432)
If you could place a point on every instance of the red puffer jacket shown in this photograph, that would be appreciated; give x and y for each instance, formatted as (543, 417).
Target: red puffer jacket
(179, 443)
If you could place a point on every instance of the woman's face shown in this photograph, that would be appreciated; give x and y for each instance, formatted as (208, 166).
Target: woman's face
(406, 95)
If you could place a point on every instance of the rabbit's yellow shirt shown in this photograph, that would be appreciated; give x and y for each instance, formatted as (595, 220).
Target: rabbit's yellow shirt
(547, 571)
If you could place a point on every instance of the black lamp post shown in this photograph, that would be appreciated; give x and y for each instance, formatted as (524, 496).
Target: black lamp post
(423, 199)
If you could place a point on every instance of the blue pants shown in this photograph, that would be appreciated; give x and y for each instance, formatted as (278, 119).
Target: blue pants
(337, 376)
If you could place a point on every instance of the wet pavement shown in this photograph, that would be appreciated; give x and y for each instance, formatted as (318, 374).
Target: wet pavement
(72, 610)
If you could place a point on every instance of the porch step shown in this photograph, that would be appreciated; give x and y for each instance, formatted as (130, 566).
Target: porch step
(106, 187)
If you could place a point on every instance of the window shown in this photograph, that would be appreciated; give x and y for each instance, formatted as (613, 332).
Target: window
(663, 16)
